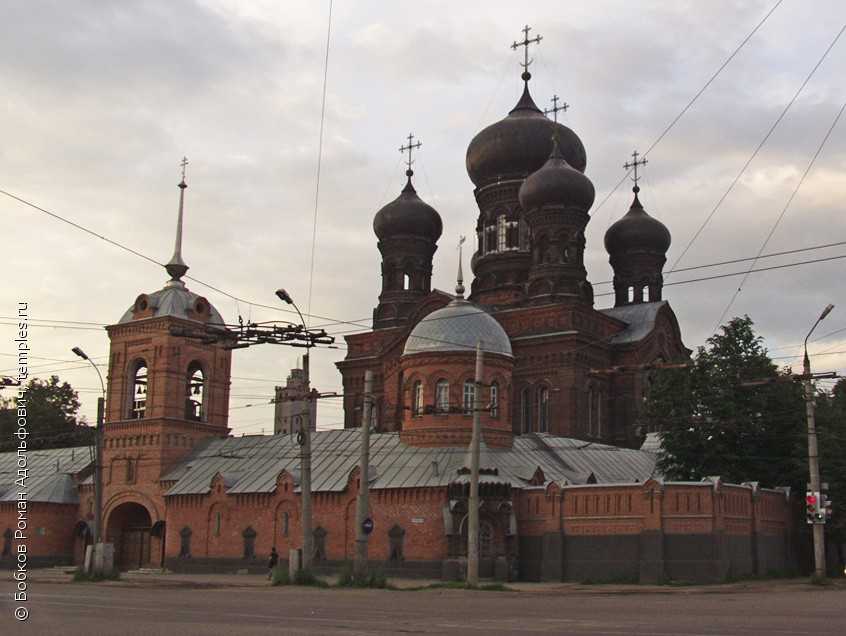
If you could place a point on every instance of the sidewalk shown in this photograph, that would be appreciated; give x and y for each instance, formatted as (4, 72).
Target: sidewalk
(155, 579)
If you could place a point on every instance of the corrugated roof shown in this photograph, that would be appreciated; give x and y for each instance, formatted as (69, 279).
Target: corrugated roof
(50, 474)
(640, 318)
(252, 464)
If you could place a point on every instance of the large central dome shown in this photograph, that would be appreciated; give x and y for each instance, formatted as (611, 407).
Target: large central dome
(458, 327)
(519, 144)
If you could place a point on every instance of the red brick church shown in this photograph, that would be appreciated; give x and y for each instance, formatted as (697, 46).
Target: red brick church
(566, 492)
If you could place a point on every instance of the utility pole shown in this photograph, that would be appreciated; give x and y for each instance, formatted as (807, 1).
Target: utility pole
(818, 529)
(305, 472)
(473, 508)
(363, 503)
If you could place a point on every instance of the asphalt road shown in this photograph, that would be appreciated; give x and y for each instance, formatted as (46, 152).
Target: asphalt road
(78, 608)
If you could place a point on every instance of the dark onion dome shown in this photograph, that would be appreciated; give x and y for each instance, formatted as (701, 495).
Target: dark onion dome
(556, 183)
(408, 214)
(637, 231)
(519, 144)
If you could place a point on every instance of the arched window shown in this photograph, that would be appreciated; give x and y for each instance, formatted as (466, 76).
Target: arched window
(591, 393)
(185, 543)
(417, 398)
(406, 281)
(631, 294)
(485, 539)
(139, 390)
(249, 536)
(644, 294)
(543, 409)
(599, 397)
(442, 396)
(494, 399)
(469, 396)
(525, 411)
(490, 239)
(501, 227)
(195, 390)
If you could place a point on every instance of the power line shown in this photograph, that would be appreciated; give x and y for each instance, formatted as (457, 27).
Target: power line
(698, 94)
(783, 212)
(759, 146)
(319, 157)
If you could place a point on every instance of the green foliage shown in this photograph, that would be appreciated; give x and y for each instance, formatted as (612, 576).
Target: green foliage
(369, 578)
(80, 576)
(713, 425)
(51, 410)
(831, 431)
(306, 577)
(279, 576)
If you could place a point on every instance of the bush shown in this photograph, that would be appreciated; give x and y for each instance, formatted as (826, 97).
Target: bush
(369, 578)
(81, 576)
(279, 576)
(305, 577)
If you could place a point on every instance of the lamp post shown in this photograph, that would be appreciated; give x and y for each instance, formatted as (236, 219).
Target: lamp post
(813, 454)
(304, 438)
(98, 450)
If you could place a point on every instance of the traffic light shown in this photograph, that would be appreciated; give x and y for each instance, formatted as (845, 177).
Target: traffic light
(811, 502)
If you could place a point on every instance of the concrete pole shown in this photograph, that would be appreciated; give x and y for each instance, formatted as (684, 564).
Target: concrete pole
(305, 473)
(98, 472)
(818, 529)
(473, 508)
(363, 503)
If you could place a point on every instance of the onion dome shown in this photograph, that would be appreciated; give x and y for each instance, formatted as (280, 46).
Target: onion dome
(519, 144)
(408, 214)
(637, 232)
(556, 183)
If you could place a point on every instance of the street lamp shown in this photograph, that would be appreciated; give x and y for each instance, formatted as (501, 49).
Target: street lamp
(813, 453)
(98, 450)
(304, 439)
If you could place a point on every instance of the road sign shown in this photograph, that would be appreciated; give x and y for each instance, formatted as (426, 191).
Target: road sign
(367, 525)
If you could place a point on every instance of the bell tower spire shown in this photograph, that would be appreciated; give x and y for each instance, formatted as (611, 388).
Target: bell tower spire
(176, 267)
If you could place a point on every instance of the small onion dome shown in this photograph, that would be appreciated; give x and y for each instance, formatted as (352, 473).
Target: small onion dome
(519, 144)
(458, 327)
(637, 232)
(556, 182)
(408, 214)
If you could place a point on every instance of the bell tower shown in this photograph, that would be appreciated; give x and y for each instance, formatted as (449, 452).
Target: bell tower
(165, 393)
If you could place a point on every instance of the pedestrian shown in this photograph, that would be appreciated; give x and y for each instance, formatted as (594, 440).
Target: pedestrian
(271, 564)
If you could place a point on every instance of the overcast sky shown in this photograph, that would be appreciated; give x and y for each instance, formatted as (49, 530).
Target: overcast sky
(100, 101)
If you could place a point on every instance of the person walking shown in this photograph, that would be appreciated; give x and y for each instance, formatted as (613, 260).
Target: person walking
(271, 564)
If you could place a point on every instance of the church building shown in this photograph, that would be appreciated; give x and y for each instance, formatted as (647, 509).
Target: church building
(566, 491)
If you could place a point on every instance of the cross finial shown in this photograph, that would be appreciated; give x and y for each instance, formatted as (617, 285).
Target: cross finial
(556, 108)
(459, 287)
(409, 148)
(633, 165)
(525, 43)
(176, 267)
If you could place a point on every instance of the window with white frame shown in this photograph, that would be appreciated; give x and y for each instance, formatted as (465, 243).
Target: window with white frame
(442, 396)
(469, 396)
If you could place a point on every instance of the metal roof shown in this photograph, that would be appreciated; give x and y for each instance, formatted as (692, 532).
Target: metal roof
(252, 464)
(458, 327)
(640, 318)
(50, 474)
(174, 299)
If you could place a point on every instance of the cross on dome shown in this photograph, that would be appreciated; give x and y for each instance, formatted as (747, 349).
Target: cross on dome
(525, 43)
(409, 148)
(633, 165)
(556, 108)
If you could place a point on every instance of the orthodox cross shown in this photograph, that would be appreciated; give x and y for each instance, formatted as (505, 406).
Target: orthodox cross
(183, 163)
(525, 43)
(411, 146)
(459, 287)
(556, 108)
(633, 165)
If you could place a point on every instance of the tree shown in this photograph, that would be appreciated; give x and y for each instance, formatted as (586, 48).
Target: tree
(52, 409)
(831, 431)
(711, 424)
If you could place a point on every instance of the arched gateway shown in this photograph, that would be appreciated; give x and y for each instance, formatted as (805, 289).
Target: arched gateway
(128, 528)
